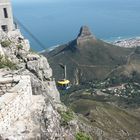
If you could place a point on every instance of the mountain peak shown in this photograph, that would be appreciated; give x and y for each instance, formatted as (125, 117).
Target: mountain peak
(84, 35)
(84, 31)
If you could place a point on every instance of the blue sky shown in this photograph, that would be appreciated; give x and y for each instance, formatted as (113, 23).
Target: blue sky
(49, 1)
(27, 1)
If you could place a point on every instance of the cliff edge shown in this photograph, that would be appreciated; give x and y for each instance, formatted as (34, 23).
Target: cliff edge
(30, 105)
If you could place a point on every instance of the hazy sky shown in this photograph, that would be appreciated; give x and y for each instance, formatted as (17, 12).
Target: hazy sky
(25, 1)
(49, 1)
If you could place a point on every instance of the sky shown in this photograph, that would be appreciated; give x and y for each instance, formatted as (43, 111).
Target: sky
(26, 1)
(47, 1)
(29, 1)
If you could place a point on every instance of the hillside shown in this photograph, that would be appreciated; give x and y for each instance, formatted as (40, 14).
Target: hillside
(87, 58)
(112, 115)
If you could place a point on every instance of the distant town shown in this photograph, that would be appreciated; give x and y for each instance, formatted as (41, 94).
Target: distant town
(128, 43)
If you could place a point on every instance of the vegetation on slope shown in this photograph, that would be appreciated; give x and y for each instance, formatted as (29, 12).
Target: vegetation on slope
(112, 114)
(6, 63)
(82, 136)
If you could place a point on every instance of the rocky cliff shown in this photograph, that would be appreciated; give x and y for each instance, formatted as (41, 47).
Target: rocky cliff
(30, 104)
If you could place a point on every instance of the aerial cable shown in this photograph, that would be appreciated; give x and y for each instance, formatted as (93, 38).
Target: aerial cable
(31, 34)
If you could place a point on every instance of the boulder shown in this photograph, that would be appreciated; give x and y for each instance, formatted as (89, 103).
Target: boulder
(40, 68)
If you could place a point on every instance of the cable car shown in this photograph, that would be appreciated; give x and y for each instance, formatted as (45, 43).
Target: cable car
(63, 84)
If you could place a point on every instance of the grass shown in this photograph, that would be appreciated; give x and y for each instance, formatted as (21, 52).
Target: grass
(20, 46)
(106, 116)
(82, 136)
(6, 63)
(6, 43)
(66, 116)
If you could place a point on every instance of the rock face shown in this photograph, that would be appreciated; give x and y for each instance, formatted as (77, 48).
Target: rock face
(84, 32)
(84, 35)
(40, 68)
(15, 100)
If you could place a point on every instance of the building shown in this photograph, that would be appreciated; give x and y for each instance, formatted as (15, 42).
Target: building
(6, 16)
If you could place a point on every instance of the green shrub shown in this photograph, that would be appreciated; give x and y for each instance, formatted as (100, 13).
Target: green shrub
(66, 116)
(82, 136)
(5, 62)
(20, 46)
(5, 43)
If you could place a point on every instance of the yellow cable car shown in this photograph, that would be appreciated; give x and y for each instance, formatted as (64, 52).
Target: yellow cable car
(63, 84)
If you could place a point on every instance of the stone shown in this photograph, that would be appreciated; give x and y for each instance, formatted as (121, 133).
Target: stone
(14, 103)
(32, 57)
(40, 68)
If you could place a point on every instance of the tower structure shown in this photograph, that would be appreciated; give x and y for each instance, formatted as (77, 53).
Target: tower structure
(6, 16)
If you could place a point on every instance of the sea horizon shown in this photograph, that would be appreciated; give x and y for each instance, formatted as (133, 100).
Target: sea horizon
(56, 23)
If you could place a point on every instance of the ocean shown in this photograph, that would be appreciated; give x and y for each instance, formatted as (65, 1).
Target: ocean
(56, 22)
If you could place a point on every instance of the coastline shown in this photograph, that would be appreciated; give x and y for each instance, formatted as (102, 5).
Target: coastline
(130, 42)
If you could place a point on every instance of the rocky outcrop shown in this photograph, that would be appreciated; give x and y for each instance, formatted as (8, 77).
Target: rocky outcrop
(40, 68)
(15, 100)
(84, 35)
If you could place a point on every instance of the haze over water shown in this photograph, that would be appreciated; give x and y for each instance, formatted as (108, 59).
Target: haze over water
(58, 21)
